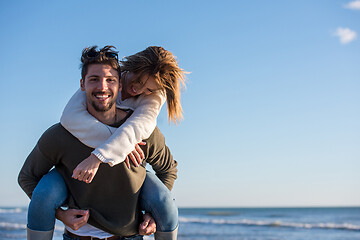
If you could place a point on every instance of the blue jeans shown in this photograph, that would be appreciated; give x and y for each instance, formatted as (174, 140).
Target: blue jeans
(157, 199)
(51, 193)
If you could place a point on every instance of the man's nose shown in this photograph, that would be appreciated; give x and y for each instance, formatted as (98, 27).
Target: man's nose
(103, 84)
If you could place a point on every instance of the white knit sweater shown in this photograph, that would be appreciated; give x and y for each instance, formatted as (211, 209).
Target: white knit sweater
(113, 144)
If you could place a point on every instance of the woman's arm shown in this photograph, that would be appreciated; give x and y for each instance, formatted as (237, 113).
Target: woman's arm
(137, 127)
(80, 123)
(112, 149)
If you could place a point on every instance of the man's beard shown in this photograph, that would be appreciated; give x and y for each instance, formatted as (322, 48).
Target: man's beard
(102, 108)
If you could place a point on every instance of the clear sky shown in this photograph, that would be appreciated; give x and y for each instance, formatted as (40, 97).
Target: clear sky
(272, 105)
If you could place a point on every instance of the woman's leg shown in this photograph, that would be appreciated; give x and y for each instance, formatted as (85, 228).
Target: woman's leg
(49, 194)
(156, 198)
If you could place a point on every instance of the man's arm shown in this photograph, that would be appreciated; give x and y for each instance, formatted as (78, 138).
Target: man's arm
(160, 158)
(34, 168)
(38, 163)
(73, 218)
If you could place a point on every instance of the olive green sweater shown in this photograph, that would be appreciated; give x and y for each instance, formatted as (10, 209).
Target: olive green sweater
(112, 196)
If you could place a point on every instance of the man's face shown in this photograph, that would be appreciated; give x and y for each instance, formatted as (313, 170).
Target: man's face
(101, 85)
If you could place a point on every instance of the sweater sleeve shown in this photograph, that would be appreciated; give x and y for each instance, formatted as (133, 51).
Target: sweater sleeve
(37, 164)
(160, 159)
(81, 124)
(136, 128)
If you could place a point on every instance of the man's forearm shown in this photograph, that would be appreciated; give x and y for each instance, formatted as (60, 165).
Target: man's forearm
(59, 214)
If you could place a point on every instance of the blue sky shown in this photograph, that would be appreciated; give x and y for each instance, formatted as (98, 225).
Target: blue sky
(272, 105)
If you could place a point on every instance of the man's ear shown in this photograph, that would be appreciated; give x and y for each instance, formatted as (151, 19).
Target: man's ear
(82, 85)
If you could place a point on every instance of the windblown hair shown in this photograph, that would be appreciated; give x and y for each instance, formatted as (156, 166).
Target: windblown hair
(162, 65)
(105, 55)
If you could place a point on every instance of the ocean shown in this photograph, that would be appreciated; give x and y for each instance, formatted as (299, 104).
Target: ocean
(233, 223)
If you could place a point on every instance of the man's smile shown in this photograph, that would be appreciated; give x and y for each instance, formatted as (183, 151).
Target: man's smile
(102, 96)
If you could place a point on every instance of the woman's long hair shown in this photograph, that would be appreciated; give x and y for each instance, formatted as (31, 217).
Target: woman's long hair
(162, 65)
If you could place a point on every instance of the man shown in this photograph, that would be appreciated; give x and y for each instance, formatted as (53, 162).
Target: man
(111, 199)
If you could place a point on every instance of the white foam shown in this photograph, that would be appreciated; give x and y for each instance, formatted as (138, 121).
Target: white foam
(248, 222)
(12, 226)
(11, 210)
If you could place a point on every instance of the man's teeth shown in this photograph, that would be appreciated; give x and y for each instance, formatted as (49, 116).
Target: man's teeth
(102, 96)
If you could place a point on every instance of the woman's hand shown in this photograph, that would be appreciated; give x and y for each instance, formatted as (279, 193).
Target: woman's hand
(136, 156)
(87, 169)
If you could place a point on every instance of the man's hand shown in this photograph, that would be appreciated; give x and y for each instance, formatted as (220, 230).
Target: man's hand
(136, 156)
(73, 218)
(148, 226)
(87, 169)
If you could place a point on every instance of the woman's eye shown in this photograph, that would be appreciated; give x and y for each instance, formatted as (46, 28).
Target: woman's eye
(138, 80)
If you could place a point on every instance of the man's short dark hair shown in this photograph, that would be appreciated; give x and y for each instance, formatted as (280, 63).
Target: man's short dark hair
(106, 55)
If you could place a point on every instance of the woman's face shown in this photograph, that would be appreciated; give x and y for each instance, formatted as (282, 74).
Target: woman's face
(134, 85)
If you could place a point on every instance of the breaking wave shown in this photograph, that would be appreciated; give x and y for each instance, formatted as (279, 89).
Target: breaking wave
(12, 210)
(247, 222)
